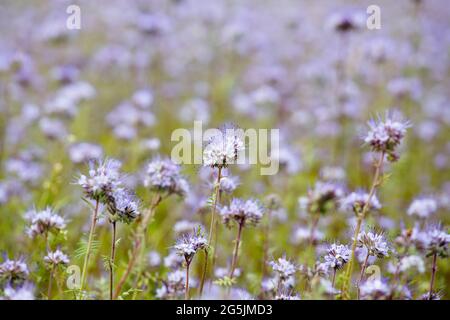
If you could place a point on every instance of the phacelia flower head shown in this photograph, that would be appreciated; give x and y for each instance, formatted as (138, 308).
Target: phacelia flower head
(322, 198)
(123, 205)
(223, 148)
(436, 241)
(56, 258)
(13, 271)
(375, 289)
(45, 221)
(102, 179)
(337, 256)
(385, 136)
(375, 244)
(356, 201)
(242, 212)
(188, 245)
(163, 175)
(423, 208)
(284, 268)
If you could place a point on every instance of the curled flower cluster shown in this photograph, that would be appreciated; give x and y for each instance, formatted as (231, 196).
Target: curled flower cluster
(56, 258)
(123, 205)
(436, 241)
(375, 244)
(45, 221)
(223, 149)
(243, 212)
(13, 271)
(102, 180)
(322, 198)
(385, 136)
(423, 208)
(284, 268)
(188, 245)
(337, 256)
(163, 175)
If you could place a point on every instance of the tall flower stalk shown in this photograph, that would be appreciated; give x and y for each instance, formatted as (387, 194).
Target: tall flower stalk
(436, 244)
(242, 213)
(383, 137)
(187, 247)
(100, 183)
(222, 149)
(163, 177)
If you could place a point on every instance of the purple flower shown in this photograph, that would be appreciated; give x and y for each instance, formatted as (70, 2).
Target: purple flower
(242, 212)
(56, 258)
(163, 175)
(375, 244)
(123, 205)
(385, 136)
(423, 208)
(102, 179)
(337, 256)
(14, 271)
(43, 222)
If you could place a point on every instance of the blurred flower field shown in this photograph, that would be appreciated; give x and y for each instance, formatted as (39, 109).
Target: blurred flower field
(93, 207)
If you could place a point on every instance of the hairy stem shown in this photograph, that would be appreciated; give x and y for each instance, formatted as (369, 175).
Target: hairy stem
(361, 275)
(186, 292)
(211, 230)
(111, 261)
(360, 218)
(49, 291)
(313, 228)
(433, 276)
(236, 250)
(139, 236)
(89, 245)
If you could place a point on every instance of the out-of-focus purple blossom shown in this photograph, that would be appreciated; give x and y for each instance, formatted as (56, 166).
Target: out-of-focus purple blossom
(163, 175)
(53, 128)
(423, 208)
(375, 289)
(356, 201)
(284, 268)
(56, 258)
(322, 198)
(243, 212)
(44, 222)
(24, 292)
(14, 271)
(84, 152)
(303, 235)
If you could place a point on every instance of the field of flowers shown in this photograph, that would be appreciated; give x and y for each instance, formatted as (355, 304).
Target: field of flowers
(94, 206)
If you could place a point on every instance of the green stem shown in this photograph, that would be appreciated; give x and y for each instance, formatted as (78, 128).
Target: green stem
(186, 292)
(111, 262)
(211, 229)
(89, 245)
(433, 276)
(360, 217)
(236, 250)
